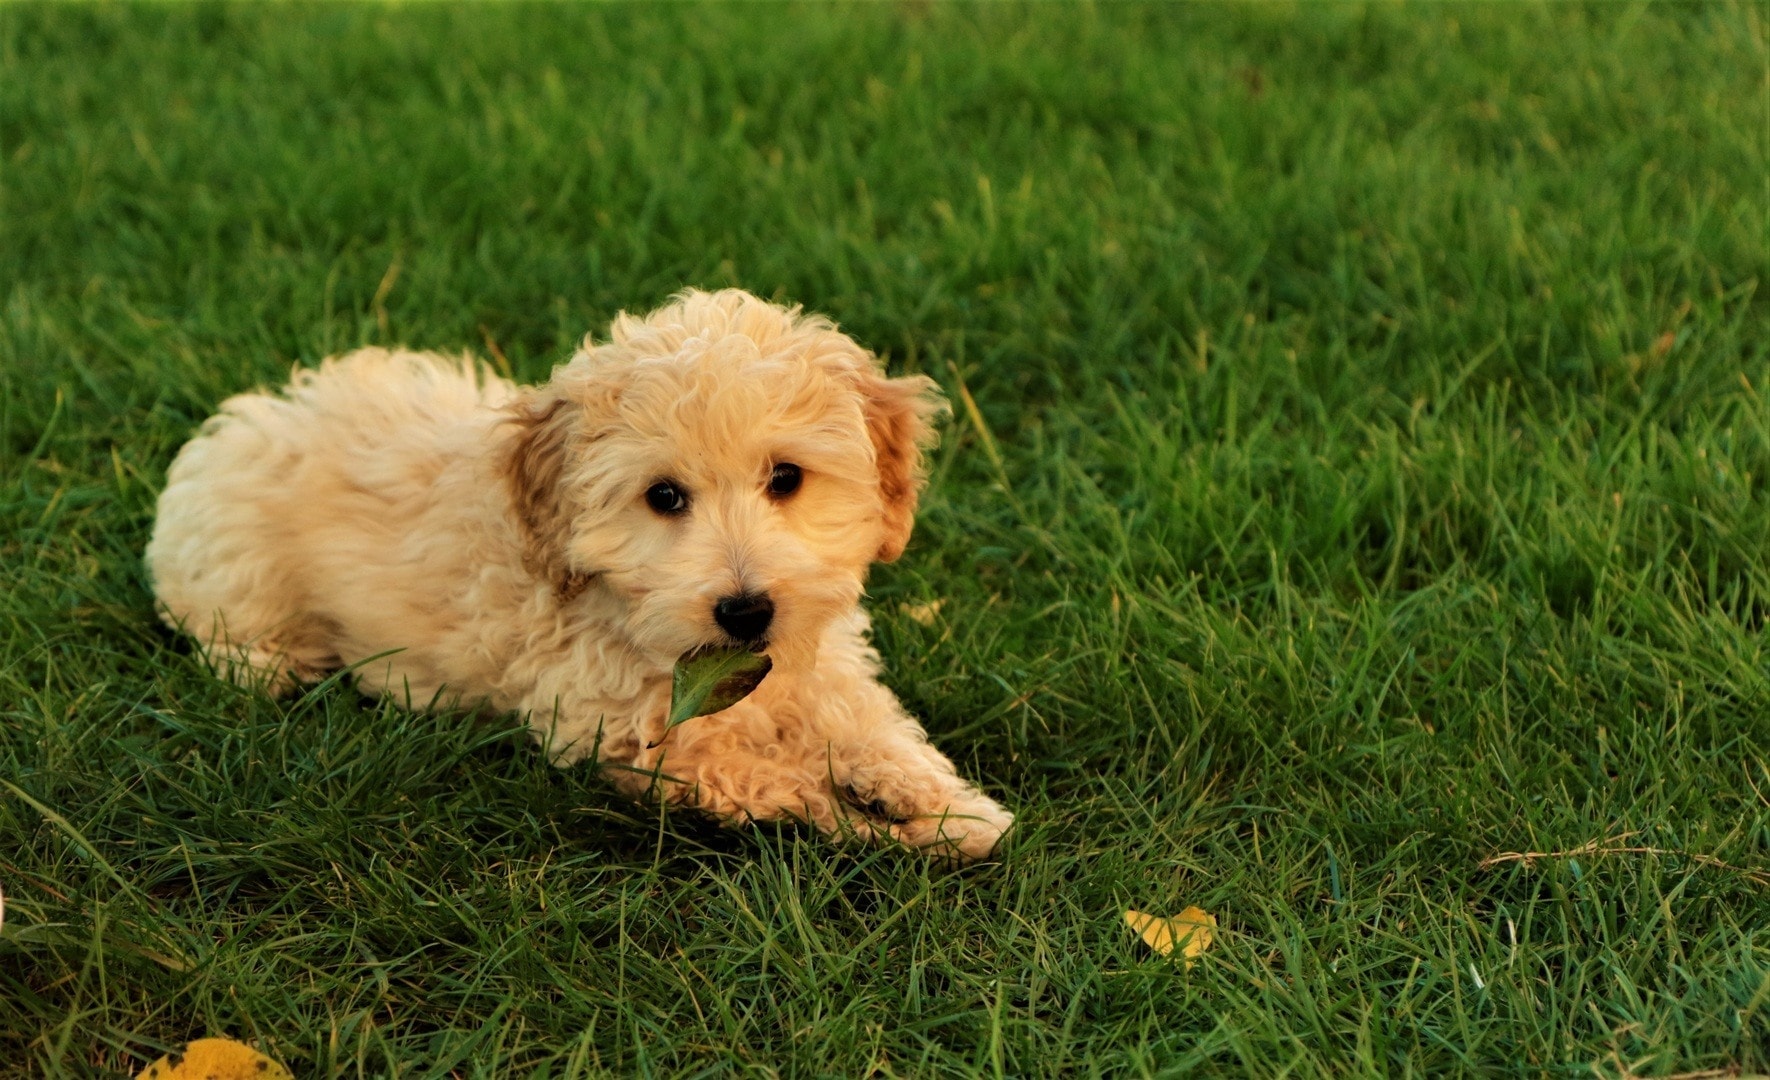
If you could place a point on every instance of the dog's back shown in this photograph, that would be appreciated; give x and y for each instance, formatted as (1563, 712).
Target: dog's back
(329, 480)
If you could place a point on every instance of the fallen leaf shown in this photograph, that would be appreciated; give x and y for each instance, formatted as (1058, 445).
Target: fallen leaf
(1191, 931)
(923, 613)
(708, 680)
(215, 1059)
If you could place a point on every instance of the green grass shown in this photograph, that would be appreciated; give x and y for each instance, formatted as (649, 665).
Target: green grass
(1366, 478)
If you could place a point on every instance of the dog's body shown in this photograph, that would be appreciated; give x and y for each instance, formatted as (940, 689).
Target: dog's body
(721, 472)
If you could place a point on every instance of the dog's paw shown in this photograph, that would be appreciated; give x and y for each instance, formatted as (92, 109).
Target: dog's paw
(873, 808)
(964, 831)
(962, 827)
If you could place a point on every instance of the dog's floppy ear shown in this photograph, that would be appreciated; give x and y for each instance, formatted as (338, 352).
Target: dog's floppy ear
(535, 468)
(900, 414)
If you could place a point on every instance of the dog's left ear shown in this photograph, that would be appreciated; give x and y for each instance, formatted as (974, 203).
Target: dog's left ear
(900, 414)
(535, 468)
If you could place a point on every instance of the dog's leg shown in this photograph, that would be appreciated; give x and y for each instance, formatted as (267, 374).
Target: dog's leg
(833, 748)
(910, 790)
(740, 785)
(883, 782)
(296, 652)
(882, 765)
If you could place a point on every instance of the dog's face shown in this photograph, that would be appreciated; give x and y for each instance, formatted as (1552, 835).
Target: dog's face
(726, 468)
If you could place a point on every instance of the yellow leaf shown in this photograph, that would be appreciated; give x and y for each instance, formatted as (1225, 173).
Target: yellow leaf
(1191, 931)
(923, 613)
(215, 1059)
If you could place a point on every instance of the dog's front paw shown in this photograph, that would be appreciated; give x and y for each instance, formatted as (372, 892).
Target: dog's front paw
(965, 830)
(872, 807)
(962, 826)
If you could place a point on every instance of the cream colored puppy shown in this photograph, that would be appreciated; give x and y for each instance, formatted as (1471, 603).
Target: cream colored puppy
(722, 471)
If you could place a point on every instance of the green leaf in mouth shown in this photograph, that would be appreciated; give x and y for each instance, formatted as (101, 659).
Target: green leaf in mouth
(708, 680)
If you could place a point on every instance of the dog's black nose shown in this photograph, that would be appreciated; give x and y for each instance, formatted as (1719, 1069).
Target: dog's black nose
(745, 617)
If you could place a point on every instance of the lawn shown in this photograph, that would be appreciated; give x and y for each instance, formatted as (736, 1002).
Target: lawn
(1358, 483)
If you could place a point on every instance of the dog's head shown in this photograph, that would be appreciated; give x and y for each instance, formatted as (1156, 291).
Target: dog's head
(726, 467)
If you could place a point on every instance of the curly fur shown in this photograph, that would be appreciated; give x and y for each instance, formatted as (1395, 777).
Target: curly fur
(464, 539)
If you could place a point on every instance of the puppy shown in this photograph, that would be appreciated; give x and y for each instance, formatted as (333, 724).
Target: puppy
(720, 472)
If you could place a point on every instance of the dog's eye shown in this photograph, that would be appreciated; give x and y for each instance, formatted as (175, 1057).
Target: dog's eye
(666, 498)
(784, 480)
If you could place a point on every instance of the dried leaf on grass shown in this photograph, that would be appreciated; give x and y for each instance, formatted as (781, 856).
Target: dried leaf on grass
(215, 1059)
(1191, 931)
(925, 614)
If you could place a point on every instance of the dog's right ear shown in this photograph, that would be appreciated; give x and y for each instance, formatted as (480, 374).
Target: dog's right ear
(535, 469)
